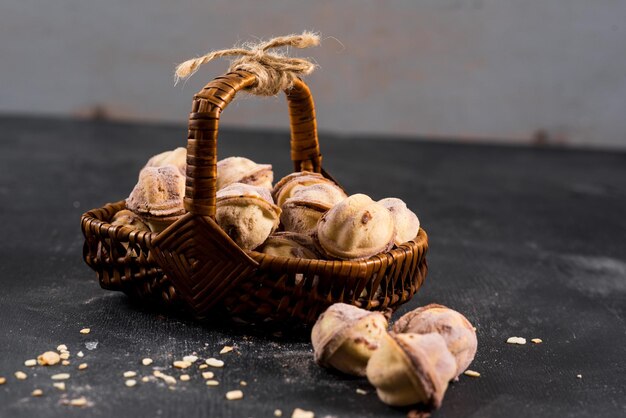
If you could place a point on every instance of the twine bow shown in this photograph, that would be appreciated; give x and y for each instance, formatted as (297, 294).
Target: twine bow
(274, 72)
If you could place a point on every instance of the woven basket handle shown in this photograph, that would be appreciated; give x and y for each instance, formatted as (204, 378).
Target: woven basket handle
(208, 104)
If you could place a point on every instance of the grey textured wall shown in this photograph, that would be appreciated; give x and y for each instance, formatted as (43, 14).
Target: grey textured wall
(498, 69)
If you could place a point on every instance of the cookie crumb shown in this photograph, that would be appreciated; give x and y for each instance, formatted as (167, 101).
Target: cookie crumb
(212, 383)
(278, 413)
(82, 366)
(360, 391)
(146, 361)
(537, 340)
(82, 401)
(471, 373)
(49, 358)
(21, 375)
(181, 364)
(64, 356)
(60, 376)
(203, 366)
(30, 363)
(579, 376)
(234, 395)
(208, 375)
(3, 380)
(61, 347)
(226, 349)
(85, 330)
(80, 354)
(65, 363)
(516, 340)
(37, 392)
(129, 374)
(145, 379)
(190, 359)
(130, 383)
(59, 385)
(301, 413)
(243, 383)
(213, 362)
(170, 380)
(184, 377)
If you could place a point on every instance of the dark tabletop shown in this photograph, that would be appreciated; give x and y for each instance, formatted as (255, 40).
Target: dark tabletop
(525, 242)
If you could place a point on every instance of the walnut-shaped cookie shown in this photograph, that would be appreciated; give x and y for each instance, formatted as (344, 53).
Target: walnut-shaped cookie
(409, 369)
(286, 186)
(344, 337)
(407, 223)
(455, 329)
(356, 228)
(289, 244)
(131, 219)
(307, 204)
(242, 170)
(158, 196)
(247, 214)
(176, 157)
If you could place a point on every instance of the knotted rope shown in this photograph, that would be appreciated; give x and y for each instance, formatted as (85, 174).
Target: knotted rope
(274, 72)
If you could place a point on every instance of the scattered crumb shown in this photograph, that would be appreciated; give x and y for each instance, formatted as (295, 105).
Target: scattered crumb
(208, 375)
(49, 358)
(234, 395)
(30, 363)
(184, 377)
(146, 361)
(212, 383)
(62, 347)
(170, 380)
(301, 413)
(278, 413)
(203, 366)
(226, 349)
(190, 359)
(82, 401)
(213, 362)
(82, 366)
(80, 354)
(60, 376)
(129, 374)
(243, 383)
(59, 385)
(3, 380)
(130, 383)
(361, 391)
(516, 340)
(471, 373)
(145, 379)
(64, 356)
(181, 364)
(91, 345)
(579, 376)
(65, 363)
(85, 330)
(21, 375)
(37, 392)
(537, 340)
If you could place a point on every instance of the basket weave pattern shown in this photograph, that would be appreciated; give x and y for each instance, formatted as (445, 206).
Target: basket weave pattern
(193, 265)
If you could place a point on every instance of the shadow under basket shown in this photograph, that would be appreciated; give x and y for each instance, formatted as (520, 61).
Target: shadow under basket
(195, 267)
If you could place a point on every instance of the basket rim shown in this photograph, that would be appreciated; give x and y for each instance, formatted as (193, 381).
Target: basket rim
(118, 231)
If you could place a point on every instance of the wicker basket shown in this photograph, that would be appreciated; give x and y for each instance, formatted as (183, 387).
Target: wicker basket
(194, 266)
